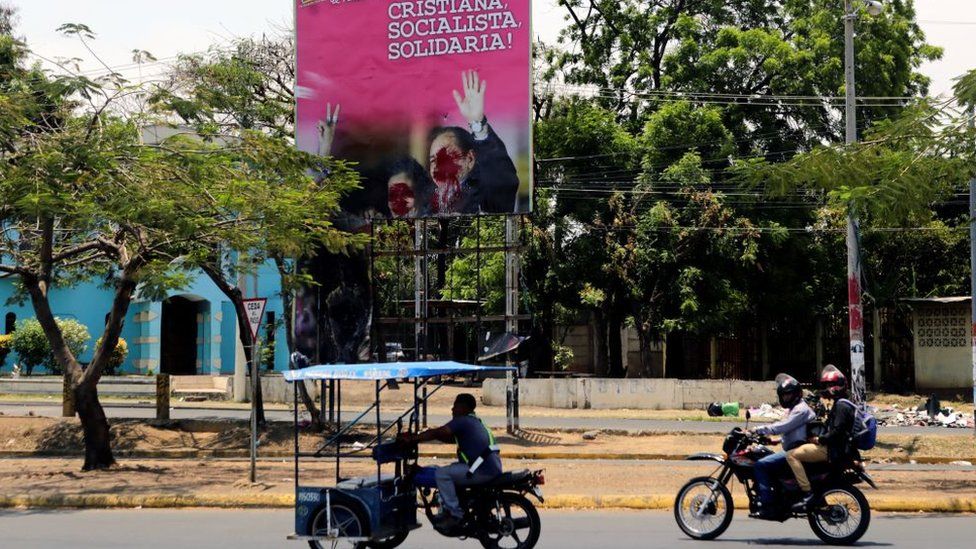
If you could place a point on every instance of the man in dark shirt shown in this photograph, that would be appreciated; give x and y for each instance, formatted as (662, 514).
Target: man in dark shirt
(478, 461)
(834, 445)
(471, 170)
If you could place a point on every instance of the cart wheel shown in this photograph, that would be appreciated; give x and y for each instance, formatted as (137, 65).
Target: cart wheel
(386, 543)
(346, 523)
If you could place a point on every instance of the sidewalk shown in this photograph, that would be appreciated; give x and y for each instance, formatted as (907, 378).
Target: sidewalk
(569, 484)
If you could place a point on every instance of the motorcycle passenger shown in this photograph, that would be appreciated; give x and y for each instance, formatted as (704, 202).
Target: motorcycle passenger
(478, 460)
(793, 431)
(834, 444)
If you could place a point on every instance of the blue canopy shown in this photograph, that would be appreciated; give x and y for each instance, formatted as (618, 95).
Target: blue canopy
(387, 370)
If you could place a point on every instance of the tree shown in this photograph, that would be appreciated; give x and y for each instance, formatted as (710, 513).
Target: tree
(588, 157)
(85, 197)
(250, 88)
(735, 53)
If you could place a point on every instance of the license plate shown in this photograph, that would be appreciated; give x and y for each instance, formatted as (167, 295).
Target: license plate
(538, 492)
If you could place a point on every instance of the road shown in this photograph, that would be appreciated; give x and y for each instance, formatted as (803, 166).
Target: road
(155, 529)
(114, 410)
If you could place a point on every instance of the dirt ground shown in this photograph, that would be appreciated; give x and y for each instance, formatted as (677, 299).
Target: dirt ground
(217, 477)
(230, 438)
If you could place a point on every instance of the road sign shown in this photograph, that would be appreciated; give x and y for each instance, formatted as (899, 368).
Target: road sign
(255, 313)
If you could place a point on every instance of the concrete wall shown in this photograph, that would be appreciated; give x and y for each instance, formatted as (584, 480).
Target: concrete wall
(582, 341)
(943, 352)
(653, 394)
(52, 385)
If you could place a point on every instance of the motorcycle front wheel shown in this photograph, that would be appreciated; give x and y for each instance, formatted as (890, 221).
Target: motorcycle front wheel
(703, 508)
(841, 517)
(513, 523)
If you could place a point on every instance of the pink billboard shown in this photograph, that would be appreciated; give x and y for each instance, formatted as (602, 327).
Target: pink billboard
(429, 97)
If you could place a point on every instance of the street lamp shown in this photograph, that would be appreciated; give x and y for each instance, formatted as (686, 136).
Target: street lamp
(854, 307)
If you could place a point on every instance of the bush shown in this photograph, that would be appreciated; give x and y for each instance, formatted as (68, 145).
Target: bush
(118, 357)
(33, 349)
(563, 357)
(6, 341)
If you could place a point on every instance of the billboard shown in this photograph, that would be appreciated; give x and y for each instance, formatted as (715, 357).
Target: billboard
(431, 99)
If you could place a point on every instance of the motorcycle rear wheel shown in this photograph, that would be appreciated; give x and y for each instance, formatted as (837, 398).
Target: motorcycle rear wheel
(519, 525)
(842, 517)
(703, 508)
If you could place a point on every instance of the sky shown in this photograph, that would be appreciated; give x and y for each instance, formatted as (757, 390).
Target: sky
(168, 27)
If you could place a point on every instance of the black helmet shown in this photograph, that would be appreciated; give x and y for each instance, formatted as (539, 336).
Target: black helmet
(788, 390)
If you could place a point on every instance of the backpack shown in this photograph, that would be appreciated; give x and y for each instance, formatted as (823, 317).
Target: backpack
(864, 434)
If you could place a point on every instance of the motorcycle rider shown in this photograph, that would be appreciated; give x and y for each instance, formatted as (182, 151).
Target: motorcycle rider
(834, 444)
(478, 459)
(793, 431)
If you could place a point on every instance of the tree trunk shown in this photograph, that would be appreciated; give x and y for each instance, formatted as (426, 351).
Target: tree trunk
(599, 343)
(236, 297)
(84, 383)
(287, 305)
(647, 363)
(616, 365)
(94, 425)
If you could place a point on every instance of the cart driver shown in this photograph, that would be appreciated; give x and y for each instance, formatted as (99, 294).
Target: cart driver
(478, 460)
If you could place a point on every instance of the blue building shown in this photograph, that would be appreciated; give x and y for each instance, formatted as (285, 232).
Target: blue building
(191, 332)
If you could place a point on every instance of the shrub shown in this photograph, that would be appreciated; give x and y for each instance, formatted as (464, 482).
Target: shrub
(118, 357)
(33, 349)
(563, 357)
(6, 340)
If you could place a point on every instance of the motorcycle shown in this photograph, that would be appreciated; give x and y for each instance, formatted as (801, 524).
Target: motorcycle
(497, 514)
(840, 515)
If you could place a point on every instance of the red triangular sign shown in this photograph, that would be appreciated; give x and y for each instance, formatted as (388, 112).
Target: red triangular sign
(255, 313)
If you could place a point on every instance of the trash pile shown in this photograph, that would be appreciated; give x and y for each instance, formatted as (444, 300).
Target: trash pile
(918, 416)
(768, 411)
(929, 414)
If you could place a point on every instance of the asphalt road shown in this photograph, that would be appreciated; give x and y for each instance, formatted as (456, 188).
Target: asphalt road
(143, 411)
(152, 529)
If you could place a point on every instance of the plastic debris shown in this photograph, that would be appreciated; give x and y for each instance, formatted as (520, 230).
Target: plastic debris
(767, 411)
(919, 416)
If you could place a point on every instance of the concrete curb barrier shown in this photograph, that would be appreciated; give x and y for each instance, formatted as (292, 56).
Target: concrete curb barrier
(893, 504)
(534, 456)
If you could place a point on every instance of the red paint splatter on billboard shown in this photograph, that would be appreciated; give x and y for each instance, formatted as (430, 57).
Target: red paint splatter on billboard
(446, 173)
(401, 196)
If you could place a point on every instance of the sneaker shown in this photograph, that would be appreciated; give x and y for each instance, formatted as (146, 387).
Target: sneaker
(446, 522)
(764, 513)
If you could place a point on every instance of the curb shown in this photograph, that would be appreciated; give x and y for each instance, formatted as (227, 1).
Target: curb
(533, 456)
(565, 502)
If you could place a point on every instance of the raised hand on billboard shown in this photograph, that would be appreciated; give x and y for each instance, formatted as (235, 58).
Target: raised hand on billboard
(327, 127)
(472, 105)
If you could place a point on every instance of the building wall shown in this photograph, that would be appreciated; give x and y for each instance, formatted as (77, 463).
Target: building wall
(217, 335)
(943, 352)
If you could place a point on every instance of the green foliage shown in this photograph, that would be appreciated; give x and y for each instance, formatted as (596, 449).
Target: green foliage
(6, 343)
(33, 349)
(463, 279)
(87, 197)
(631, 49)
(901, 167)
(563, 358)
(116, 358)
(248, 86)
(965, 89)
(677, 128)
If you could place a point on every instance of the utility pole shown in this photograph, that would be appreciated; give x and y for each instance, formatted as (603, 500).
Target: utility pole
(972, 263)
(854, 306)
